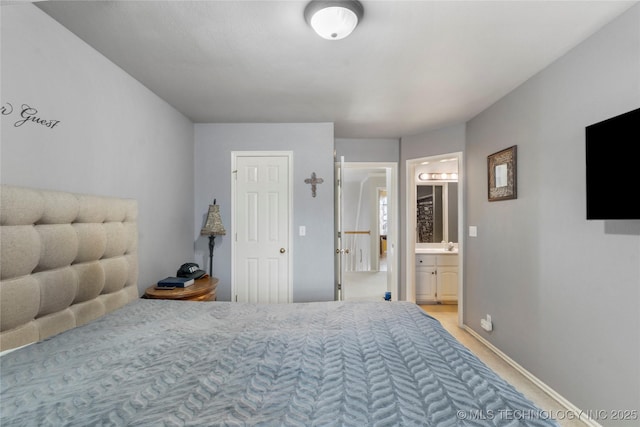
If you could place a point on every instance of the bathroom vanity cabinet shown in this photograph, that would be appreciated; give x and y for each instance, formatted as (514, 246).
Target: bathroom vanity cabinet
(436, 278)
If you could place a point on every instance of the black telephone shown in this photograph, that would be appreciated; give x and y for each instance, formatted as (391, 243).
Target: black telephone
(191, 270)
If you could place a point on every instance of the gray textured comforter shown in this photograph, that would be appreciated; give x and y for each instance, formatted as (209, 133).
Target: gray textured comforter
(158, 362)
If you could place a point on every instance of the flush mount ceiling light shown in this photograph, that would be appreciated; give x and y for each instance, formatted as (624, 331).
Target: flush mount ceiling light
(333, 20)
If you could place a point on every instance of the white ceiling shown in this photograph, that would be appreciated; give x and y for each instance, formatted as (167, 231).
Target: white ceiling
(410, 66)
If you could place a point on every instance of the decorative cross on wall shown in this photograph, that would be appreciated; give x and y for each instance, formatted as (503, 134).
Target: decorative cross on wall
(313, 181)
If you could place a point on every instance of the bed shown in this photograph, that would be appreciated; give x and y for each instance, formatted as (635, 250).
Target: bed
(131, 361)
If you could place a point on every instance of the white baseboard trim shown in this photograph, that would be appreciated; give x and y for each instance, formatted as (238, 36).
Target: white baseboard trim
(576, 412)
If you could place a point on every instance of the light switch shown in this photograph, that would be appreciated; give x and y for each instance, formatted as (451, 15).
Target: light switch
(473, 231)
(302, 230)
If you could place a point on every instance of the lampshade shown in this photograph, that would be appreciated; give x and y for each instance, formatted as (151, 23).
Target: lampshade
(333, 20)
(213, 226)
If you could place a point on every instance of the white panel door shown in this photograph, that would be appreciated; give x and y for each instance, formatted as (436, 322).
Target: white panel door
(339, 167)
(262, 229)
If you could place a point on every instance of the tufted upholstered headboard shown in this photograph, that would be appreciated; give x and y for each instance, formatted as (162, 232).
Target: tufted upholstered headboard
(65, 260)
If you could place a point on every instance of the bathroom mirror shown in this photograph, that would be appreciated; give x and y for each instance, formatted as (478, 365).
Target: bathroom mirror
(437, 212)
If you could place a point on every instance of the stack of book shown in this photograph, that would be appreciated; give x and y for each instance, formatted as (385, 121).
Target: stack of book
(175, 282)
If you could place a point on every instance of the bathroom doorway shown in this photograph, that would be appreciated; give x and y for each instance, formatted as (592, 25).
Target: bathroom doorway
(444, 174)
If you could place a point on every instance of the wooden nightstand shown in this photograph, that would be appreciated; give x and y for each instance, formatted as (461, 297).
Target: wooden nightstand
(203, 289)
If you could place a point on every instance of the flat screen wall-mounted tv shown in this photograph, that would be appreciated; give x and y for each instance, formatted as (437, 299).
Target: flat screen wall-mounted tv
(613, 167)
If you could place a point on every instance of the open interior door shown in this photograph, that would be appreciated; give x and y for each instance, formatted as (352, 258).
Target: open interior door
(338, 224)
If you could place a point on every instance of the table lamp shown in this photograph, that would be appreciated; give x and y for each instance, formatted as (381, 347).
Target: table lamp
(213, 227)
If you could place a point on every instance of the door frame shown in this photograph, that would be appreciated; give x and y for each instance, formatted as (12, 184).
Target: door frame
(234, 171)
(411, 224)
(393, 228)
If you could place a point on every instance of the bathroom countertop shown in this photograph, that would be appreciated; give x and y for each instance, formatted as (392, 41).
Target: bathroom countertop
(435, 251)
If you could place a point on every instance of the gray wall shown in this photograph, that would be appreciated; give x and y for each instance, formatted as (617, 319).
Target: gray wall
(114, 137)
(563, 292)
(312, 146)
(368, 150)
(450, 139)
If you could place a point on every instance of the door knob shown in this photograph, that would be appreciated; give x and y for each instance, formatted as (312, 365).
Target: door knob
(282, 250)
(346, 251)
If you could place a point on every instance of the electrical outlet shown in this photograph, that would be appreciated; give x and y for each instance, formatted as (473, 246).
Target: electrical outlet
(302, 230)
(486, 324)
